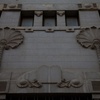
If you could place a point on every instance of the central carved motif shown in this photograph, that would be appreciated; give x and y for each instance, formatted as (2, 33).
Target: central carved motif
(47, 75)
(9, 38)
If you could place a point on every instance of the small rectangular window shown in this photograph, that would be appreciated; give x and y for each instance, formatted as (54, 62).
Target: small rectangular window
(27, 19)
(72, 18)
(49, 18)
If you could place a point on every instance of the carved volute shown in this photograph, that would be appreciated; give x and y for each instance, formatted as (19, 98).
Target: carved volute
(9, 38)
(90, 38)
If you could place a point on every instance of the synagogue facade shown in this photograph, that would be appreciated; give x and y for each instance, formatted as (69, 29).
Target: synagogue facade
(49, 49)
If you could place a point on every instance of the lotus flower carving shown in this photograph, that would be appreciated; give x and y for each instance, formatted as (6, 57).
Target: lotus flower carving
(9, 38)
(90, 38)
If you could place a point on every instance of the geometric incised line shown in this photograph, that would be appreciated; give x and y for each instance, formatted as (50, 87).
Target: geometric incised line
(90, 38)
(9, 38)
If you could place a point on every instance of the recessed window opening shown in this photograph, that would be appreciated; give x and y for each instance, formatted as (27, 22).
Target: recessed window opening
(72, 18)
(49, 18)
(27, 18)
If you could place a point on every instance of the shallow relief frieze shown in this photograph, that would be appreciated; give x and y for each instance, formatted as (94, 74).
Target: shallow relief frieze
(47, 75)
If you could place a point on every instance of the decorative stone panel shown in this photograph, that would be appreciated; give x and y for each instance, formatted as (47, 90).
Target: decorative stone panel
(96, 85)
(88, 6)
(47, 75)
(12, 6)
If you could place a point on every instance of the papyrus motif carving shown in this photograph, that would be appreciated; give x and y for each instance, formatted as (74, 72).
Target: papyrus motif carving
(90, 38)
(9, 38)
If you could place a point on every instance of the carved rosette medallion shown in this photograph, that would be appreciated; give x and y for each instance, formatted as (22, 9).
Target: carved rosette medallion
(90, 38)
(9, 38)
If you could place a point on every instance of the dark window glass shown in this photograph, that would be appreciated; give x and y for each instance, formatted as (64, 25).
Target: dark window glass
(27, 19)
(49, 18)
(0, 14)
(72, 18)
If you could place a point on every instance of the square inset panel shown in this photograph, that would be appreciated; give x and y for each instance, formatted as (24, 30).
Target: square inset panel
(3, 85)
(96, 85)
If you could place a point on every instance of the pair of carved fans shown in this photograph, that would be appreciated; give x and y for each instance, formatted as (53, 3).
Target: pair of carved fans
(88, 38)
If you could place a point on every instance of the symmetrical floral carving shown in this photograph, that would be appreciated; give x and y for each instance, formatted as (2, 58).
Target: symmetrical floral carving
(74, 83)
(88, 6)
(90, 38)
(9, 38)
(47, 75)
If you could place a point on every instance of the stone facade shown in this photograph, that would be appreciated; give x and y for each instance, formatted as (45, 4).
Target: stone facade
(50, 59)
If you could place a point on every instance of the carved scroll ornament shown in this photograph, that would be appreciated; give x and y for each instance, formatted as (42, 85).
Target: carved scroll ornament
(27, 83)
(70, 83)
(47, 75)
(38, 13)
(9, 38)
(90, 38)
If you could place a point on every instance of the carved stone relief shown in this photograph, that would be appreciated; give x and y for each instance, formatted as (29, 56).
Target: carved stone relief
(60, 13)
(90, 38)
(70, 83)
(12, 6)
(38, 13)
(87, 6)
(47, 75)
(9, 38)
